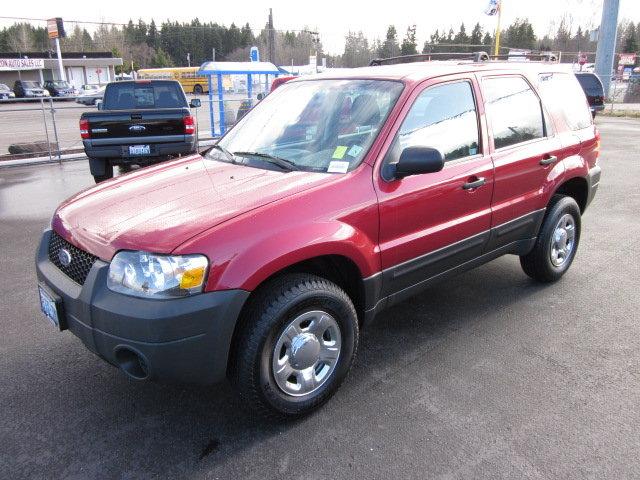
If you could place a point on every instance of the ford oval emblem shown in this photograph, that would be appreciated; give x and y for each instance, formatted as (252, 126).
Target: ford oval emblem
(137, 128)
(65, 257)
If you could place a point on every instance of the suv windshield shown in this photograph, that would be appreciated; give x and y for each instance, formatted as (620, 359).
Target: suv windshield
(3, 87)
(142, 95)
(30, 84)
(319, 125)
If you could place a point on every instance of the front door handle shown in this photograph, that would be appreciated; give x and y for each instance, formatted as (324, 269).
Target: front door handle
(548, 160)
(475, 184)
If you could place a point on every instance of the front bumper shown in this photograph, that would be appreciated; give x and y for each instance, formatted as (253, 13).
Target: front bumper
(185, 339)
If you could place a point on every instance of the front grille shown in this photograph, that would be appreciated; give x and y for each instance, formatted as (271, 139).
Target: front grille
(81, 261)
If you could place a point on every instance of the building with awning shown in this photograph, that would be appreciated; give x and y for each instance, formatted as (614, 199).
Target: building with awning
(95, 68)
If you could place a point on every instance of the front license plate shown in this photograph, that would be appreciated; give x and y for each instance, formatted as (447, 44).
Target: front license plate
(139, 150)
(49, 307)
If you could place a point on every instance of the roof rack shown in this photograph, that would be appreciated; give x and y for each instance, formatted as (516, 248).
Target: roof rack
(427, 57)
(473, 56)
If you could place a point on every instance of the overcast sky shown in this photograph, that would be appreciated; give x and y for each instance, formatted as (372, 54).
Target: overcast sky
(331, 18)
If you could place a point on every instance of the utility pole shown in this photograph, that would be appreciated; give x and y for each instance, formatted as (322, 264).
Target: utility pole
(606, 50)
(272, 39)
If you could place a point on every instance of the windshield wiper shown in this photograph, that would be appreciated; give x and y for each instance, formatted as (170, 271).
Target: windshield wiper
(281, 162)
(226, 153)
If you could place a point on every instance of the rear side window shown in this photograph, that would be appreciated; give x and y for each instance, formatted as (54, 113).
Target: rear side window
(514, 111)
(563, 91)
(132, 96)
(442, 117)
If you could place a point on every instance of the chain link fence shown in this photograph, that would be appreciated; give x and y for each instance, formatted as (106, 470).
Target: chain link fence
(49, 127)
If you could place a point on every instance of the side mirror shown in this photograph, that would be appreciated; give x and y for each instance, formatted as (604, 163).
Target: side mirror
(99, 104)
(417, 160)
(195, 103)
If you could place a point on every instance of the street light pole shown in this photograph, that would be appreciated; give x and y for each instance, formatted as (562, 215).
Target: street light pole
(60, 67)
(496, 50)
(607, 42)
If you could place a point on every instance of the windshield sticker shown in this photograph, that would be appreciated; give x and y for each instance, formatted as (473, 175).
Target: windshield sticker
(339, 152)
(354, 151)
(338, 166)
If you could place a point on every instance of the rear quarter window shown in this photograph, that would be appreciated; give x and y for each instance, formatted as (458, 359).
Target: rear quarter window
(562, 93)
(590, 83)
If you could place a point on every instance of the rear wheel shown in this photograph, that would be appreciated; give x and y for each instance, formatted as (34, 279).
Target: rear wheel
(108, 173)
(297, 342)
(557, 241)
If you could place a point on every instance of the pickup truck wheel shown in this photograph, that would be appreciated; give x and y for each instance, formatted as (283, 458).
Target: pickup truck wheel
(108, 173)
(557, 242)
(296, 345)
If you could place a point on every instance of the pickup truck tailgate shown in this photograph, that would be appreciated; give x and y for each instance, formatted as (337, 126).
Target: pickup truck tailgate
(135, 124)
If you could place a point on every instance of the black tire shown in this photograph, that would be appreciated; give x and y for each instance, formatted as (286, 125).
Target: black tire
(197, 89)
(270, 312)
(538, 263)
(108, 173)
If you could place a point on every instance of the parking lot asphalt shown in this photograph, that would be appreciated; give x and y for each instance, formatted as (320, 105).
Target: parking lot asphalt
(487, 375)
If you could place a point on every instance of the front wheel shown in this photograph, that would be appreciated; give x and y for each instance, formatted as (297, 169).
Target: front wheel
(297, 342)
(557, 241)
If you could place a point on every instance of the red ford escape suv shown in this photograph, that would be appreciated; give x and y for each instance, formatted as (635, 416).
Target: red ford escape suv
(337, 196)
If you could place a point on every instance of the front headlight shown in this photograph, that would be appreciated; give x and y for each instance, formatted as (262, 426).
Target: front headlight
(148, 275)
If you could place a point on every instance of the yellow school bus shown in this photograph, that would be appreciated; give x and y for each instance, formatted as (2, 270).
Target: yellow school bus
(187, 76)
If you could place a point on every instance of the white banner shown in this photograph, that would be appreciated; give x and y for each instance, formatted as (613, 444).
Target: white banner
(21, 64)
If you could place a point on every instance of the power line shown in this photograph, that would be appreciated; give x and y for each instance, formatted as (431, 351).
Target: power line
(181, 25)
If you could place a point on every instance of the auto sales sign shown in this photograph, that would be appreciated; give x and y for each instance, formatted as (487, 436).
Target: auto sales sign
(21, 64)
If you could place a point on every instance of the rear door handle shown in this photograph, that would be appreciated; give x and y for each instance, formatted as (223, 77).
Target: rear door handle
(475, 184)
(548, 160)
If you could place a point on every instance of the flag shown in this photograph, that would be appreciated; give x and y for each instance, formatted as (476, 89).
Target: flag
(493, 8)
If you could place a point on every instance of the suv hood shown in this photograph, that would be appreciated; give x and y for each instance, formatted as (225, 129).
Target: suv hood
(158, 208)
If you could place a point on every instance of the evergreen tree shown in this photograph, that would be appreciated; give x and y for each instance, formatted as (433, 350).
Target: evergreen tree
(630, 39)
(476, 35)
(390, 47)
(409, 43)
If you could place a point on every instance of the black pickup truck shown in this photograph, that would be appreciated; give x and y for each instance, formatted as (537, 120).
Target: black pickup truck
(138, 123)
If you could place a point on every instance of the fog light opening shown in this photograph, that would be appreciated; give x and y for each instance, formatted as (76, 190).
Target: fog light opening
(132, 363)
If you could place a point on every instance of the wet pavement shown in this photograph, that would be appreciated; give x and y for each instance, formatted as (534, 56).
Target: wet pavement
(485, 375)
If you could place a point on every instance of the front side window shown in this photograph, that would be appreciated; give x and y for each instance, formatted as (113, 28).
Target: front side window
(443, 117)
(317, 125)
(514, 111)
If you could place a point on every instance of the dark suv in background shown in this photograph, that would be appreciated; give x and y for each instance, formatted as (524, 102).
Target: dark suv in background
(29, 89)
(593, 89)
(59, 88)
